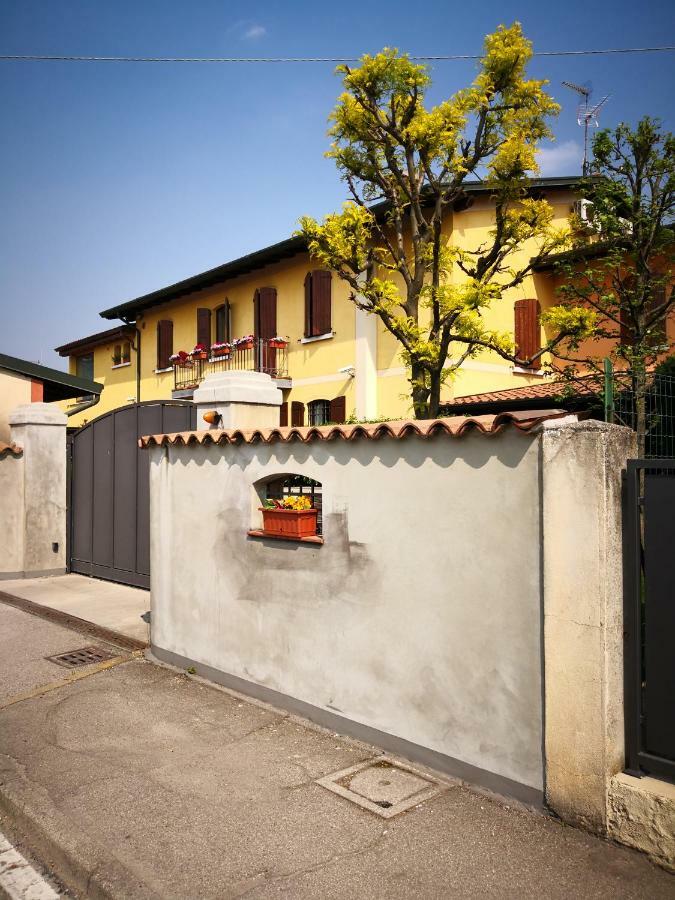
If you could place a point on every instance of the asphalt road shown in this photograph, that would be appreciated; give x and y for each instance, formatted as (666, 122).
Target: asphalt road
(141, 782)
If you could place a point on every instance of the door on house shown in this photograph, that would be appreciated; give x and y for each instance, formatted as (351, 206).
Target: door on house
(109, 492)
(265, 318)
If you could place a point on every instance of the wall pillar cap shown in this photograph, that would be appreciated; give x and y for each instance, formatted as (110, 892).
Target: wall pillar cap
(37, 414)
(255, 388)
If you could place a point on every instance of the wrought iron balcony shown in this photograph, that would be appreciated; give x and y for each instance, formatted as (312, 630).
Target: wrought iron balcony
(259, 355)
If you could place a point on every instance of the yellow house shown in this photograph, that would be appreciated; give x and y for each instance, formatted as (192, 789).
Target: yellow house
(339, 361)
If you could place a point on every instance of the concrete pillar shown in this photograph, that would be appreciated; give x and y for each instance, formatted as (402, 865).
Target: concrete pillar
(366, 364)
(40, 429)
(245, 400)
(581, 467)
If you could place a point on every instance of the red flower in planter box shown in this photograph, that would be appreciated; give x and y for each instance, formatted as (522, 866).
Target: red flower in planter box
(278, 343)
(199, 352)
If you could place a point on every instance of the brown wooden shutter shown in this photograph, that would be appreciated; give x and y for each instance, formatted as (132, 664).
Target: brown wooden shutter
(338, 409)
(204, 327)
(321, 305)
(308, 304)
(283, 415)
(527, 331)
(267, 312)
(297, 414)
(223, 322)
(164, 343)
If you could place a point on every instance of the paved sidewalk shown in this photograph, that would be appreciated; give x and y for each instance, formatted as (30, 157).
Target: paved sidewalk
(141, 782)
(117, 607)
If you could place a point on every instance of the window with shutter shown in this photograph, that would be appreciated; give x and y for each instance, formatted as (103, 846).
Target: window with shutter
(283, 415)
(204, 327)
(527, 332)
(318, 314)
(338, 409)
(223, 323)
(164, 343)
(318, 412)
(297, 414)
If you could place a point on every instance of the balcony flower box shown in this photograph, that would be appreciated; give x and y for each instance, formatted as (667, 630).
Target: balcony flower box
(179, 358)
(277, 343)
(199, 352)
(221, 350)
(292, 519)
(244, 343)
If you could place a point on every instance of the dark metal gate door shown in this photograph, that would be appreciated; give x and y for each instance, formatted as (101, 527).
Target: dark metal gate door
(109, 495)
(649, 618)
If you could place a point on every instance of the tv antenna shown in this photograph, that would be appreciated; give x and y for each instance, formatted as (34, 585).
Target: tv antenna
(587, 113)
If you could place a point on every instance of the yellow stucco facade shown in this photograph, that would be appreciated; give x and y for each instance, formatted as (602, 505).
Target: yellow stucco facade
(378, 387)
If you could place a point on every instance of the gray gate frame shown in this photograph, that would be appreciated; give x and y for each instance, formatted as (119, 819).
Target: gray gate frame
(638, 761)
(135, 579)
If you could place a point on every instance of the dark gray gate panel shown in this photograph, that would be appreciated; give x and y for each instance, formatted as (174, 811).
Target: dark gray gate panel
(124, 513)
(104, 492)
(150, 421)
(109, 490)
(649, 616)
(82, 499)
(659, 651)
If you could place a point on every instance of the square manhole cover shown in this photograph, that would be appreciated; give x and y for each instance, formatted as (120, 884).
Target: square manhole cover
(86, 656)
(383, 786)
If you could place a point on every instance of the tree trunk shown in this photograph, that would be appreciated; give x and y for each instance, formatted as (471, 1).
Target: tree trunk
(420, 390)
(434, 395)
(640, 394)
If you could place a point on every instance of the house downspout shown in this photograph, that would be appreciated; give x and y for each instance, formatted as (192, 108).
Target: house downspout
(137, 348)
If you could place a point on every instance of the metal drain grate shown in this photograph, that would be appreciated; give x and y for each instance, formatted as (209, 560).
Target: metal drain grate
(86, 656)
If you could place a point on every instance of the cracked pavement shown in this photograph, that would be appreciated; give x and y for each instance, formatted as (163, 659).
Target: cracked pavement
(139, 781)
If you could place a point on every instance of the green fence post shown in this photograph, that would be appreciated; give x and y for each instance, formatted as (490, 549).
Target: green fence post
(609, 391)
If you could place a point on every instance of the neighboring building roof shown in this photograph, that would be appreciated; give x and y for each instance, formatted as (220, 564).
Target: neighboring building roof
(578, 254)
(530, 396)
(456, 426)
(83, 345)
(276, 252)
(57, 385)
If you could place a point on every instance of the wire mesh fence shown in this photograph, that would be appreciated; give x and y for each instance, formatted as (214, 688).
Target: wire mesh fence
(659, 412)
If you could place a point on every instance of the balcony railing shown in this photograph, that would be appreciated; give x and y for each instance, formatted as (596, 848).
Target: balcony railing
(261, 355)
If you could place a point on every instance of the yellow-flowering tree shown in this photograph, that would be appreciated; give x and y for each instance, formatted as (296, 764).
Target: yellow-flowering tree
(412, 163)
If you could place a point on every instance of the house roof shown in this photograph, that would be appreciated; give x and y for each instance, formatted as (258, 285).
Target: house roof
(456, 426)
(57, 385)
(277, 252)
(83, 345)
(529, 396)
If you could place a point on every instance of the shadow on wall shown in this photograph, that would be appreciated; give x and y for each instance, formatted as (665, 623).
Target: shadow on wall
(473, 449)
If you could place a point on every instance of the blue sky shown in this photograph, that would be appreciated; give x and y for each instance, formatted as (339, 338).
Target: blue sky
(117, 179)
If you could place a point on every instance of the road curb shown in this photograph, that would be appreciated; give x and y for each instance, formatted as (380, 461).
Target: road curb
(29, 817)
(67, 620)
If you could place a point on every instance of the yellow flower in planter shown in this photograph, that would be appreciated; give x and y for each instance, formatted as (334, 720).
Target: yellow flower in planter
(299, 502)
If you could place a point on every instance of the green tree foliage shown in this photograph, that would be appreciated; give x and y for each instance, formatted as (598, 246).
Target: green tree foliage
(623, 264)
(412, 163)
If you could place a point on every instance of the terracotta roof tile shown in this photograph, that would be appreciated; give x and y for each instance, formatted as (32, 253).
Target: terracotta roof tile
(9, 450)
(455, 426)
(526, 392)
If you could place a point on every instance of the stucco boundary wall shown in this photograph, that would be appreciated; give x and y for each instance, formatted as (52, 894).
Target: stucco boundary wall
(33, 493)
(464, 609)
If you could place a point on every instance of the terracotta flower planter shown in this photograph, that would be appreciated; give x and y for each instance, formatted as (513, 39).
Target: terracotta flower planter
(246, 346)
(289, 523)
(201, 355)
(277, 345)
(221, 354)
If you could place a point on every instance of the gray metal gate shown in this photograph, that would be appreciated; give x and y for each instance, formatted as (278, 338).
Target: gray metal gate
(649, 616)
(109, 499)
